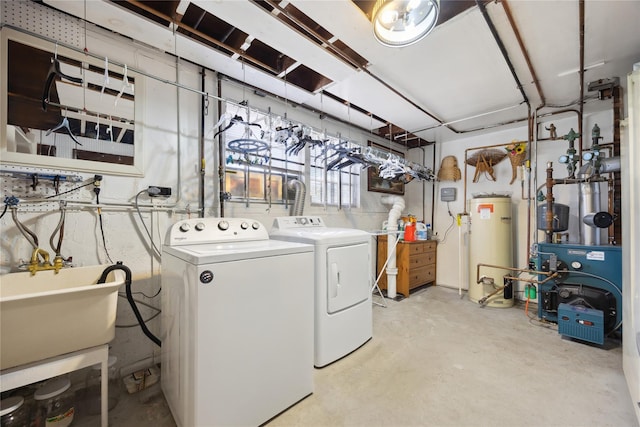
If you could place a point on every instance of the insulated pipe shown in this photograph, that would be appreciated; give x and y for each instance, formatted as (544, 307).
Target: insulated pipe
(610, 164)
(589, 204)
(398, 205)
(503, 49)
(523, 49)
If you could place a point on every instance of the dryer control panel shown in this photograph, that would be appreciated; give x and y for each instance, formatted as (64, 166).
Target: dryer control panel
(215, 230)
(287, 222)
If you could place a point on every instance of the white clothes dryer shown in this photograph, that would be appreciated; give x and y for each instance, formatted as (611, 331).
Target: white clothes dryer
(343, 306)
(237, 317)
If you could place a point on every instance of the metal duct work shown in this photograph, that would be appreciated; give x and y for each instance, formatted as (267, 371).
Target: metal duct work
(589, 203)
(297, 208)
(593, 218)
(598, 219)
(610, 164)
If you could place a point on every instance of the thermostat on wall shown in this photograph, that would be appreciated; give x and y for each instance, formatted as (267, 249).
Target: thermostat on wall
(448, 194)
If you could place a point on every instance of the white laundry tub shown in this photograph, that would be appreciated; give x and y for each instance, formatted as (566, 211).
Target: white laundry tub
(50, 314)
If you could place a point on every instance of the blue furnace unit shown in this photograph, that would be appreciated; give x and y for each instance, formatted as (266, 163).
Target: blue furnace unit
(585, 300)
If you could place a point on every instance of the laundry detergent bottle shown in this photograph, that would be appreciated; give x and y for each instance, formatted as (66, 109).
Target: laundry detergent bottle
(410, 232)
(421, 231)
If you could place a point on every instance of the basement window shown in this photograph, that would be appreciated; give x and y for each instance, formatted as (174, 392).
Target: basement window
(335, 187)
(257, 165)
(262, 155)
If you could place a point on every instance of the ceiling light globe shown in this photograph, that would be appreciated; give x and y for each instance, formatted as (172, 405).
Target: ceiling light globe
(398, 23)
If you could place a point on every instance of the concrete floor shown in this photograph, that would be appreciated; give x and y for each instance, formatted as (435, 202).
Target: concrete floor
(439, 360)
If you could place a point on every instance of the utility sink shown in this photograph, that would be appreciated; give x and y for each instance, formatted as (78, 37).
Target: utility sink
(49, 314)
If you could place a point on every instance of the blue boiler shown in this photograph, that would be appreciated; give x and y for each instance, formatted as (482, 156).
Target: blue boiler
(585, 299)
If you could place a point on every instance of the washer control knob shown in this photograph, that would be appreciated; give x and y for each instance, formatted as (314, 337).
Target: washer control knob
(576, 265)
(223, 225)
(255, 225)
(244, 225)
(200, 226)
(185, 227)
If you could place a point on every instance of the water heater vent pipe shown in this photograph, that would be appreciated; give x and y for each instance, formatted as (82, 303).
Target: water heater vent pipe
(395, 213)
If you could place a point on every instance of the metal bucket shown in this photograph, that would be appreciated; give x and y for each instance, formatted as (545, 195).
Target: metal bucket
(560, 217)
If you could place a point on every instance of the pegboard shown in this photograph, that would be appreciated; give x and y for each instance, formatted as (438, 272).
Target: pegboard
(53, 24)
(15, 181)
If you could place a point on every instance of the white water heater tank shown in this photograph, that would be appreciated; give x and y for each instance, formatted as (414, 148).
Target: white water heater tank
(490, 242)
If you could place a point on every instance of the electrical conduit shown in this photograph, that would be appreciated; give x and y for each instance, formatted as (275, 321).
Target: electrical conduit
(398, 205)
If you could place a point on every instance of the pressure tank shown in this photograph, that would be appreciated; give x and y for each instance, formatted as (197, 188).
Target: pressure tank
(490, 242)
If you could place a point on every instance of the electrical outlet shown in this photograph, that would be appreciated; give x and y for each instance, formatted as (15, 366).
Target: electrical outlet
(155, 191)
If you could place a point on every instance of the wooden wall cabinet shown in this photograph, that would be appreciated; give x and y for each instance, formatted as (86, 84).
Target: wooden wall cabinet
(416, 263)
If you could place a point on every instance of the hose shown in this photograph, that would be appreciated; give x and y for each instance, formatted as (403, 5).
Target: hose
(28, 234)
(132, 303)
(59, 227)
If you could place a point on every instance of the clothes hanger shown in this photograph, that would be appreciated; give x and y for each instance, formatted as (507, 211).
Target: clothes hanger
(55, 71)
(105, 80)
(110, 129)
(125, 85)
(64, 125)
(97, 127)
(236, 119)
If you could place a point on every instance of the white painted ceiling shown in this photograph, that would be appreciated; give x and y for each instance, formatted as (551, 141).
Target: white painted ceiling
(455, 80)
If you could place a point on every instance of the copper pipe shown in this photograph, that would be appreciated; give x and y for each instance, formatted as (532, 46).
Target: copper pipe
(465, 166)
(549, 214)
(500, 267)
(610, 209)
(572, 181)
(615, 231)
(568, 110)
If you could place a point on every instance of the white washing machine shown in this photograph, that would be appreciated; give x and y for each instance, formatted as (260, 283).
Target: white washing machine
(237, 316)
(343, 313)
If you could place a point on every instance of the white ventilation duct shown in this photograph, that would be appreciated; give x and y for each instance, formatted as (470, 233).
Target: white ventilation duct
(398, 205)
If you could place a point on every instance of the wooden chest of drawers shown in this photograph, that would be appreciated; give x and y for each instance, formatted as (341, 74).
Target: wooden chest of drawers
(416, 263)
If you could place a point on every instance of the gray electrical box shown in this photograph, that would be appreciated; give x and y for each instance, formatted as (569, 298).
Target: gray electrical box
(448, 194)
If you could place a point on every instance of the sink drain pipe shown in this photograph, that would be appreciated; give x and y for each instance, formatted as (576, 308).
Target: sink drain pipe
(132, 303)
